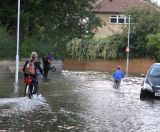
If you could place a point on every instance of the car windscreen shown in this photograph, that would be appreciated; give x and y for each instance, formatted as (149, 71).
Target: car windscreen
(155, 71)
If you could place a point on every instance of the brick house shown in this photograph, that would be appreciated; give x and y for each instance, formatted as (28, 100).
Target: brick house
(111, 14)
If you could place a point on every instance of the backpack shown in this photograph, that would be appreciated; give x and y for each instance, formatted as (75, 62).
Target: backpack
(30, 68)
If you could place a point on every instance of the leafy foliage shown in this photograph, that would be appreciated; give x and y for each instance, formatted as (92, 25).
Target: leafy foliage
(7, 45)
(53, 22)
(91, 49)
(52, 25)
(30, 44)
(153, 40)
(144, 21)
(153, 45)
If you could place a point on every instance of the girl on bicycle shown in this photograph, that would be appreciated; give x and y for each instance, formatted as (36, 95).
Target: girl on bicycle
(30, 69)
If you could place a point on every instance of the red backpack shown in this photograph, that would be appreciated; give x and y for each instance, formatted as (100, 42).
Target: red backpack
(30, 68)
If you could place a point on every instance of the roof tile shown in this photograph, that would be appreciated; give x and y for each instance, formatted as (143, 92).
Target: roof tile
(118, 5)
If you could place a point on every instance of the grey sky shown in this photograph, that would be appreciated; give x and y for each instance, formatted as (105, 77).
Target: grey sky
(157, 1)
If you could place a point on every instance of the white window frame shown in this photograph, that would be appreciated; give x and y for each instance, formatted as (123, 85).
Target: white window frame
(117, 18)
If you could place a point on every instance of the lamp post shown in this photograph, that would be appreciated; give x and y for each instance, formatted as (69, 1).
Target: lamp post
(127, 49)
(17, 55)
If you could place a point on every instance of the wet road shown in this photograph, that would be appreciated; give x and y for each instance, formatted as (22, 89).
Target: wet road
(78, 102)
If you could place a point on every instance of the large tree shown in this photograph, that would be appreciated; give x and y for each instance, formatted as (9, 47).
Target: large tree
(52, 21)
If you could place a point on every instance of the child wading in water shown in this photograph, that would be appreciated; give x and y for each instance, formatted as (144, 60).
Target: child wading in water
(118, 75)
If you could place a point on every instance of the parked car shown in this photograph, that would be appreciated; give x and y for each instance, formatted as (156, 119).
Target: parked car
(151, 84)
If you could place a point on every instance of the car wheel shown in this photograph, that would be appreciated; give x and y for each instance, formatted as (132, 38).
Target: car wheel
(142, 94)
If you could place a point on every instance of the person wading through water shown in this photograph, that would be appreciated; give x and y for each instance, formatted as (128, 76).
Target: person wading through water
(118, 75)
(47, 61)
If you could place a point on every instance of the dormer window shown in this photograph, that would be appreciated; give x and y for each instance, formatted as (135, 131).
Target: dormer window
(118, 19)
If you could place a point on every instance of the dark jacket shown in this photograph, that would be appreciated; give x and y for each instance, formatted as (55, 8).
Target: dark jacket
(46, 63)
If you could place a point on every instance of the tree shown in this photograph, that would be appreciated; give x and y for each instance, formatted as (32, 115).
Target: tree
(153, 45)
(144, 21)
(63, 21)
(7, 45)
(53, 22)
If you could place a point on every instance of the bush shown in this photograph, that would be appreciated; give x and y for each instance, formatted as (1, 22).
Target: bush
(157, 56)
(91, 49)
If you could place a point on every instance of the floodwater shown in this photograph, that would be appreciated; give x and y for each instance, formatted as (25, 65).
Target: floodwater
(77, 102)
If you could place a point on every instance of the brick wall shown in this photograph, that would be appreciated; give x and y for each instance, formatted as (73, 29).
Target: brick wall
(136, 66)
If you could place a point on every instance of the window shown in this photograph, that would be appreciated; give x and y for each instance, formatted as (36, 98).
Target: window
(113, 19)
(155, 71)
(118, 19)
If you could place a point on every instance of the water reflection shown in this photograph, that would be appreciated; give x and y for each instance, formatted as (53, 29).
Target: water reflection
(78, 101)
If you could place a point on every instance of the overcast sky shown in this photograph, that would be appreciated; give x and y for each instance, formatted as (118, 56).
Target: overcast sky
(157, 1)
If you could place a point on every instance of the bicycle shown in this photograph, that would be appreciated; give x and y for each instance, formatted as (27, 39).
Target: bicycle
(116, 84)
(29, 87)
(52, 68)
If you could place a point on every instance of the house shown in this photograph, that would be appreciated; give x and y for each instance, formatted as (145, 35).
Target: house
(111, 14)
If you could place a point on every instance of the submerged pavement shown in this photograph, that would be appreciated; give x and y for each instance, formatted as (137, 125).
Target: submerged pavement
(78, 102)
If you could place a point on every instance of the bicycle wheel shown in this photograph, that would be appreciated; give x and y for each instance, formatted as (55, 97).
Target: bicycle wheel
(52, 68)
(35, 90)
(28, 91)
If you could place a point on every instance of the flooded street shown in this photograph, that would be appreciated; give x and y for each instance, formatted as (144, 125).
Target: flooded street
(78, 102)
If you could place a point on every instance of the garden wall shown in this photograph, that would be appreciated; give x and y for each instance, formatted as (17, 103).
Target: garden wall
(136, 66)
